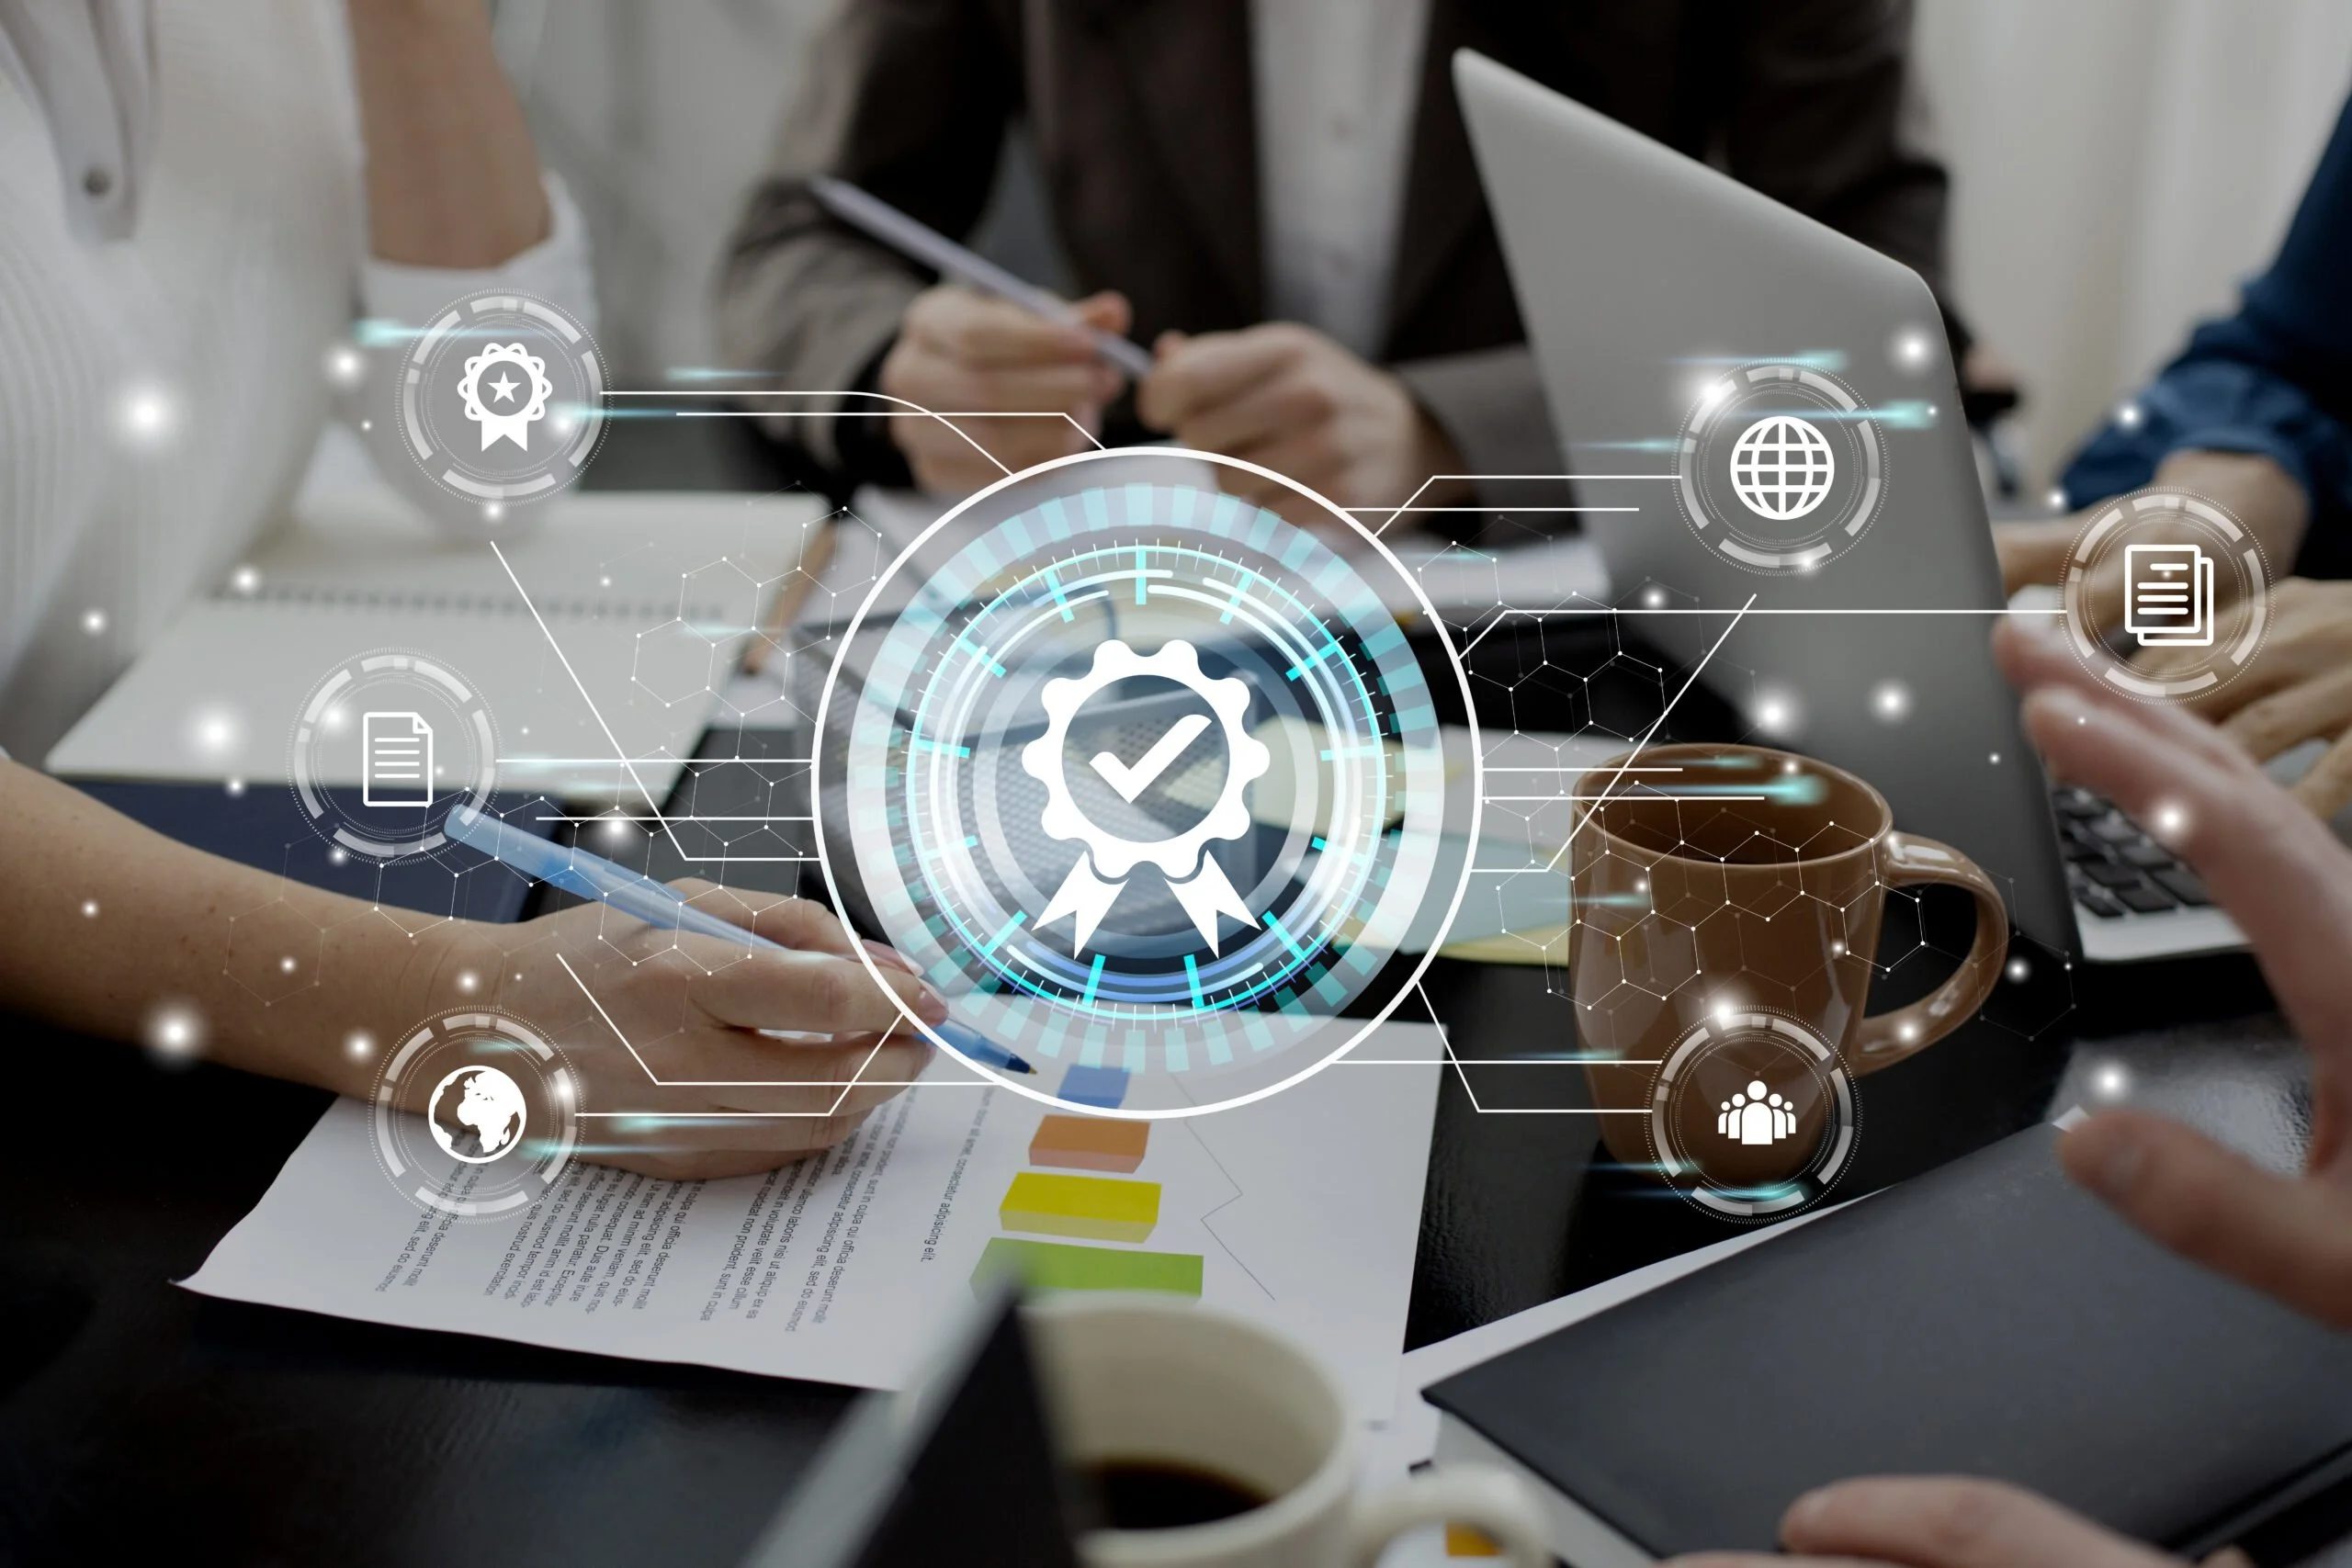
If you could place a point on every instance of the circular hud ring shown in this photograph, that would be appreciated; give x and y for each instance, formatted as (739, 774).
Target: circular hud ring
(1145, 780)
(475, 1114)
(1780, 467)
(2166, 595)
(502, 400)
(385, 748)
(1752, 1116)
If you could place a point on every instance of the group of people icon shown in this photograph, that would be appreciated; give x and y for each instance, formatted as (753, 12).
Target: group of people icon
(1757, 1117)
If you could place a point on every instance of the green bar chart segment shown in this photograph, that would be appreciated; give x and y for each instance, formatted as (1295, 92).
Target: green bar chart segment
(1056, 1265)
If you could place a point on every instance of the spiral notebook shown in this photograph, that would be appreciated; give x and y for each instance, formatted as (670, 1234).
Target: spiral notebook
(643, 602)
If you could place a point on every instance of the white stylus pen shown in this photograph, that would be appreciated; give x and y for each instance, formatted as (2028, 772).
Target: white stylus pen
(943, 256)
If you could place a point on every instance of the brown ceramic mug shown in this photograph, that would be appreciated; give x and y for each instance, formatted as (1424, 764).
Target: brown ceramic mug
(1715, 877)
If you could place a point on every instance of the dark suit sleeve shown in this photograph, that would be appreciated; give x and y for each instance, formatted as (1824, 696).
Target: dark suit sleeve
(1490, 404)
(2275, 379)
(1817, 112)
(909, 99)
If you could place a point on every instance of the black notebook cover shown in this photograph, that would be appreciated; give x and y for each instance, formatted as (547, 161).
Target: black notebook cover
(1988, 1318)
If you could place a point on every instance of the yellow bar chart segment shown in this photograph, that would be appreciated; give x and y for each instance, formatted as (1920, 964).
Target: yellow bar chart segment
(1095, 1207)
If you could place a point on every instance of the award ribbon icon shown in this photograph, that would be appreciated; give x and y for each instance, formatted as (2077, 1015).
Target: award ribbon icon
(519, 394)
(1199, 884)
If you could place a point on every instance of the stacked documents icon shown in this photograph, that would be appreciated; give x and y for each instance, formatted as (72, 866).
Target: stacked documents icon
(396, 760)
(2168, 595)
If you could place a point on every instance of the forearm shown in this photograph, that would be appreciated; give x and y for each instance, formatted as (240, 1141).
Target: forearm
(115, 931)
(453, 180)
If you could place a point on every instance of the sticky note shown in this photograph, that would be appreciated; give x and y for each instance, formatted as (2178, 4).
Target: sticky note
(1096, 1207)
(1089, 1143)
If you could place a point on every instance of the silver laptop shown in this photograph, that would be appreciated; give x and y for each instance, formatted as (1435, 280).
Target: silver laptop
(1645, 277)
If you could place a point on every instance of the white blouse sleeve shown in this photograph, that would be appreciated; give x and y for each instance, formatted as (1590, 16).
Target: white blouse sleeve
(393, 297)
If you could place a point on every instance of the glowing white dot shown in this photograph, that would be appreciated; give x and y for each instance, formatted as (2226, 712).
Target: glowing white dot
(1713, 393)
(174, 1030)
(616, 827)
(2110, 1081)
(1995, 759)
(1654, 597)
(366, 424)
(286, 966)
(2055, 500)
(89, 908)
(2128, 416)
(344, 366)
(246, 579)
(494, 511)
(1788, 769)
(94, 621)
(1910, 1031)
(1891, 702)
(1836, 949)
(357, 1045)
(1912, 349)
(467, 980)
(2018, 971)
(148, 416)
(338, 857)
(214, 731)
(606, 581)
(235, 787)
(2171, 821)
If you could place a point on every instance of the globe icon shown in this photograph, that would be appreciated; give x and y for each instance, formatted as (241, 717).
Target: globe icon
(477, 1115)
(1781, 466)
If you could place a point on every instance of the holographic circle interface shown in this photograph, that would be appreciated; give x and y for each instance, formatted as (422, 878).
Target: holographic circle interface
(1144, 778)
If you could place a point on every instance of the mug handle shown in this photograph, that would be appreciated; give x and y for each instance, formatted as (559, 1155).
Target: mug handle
(1887, 1038)
(1493, 1502)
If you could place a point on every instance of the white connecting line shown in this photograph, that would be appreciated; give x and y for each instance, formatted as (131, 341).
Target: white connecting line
(903, 410)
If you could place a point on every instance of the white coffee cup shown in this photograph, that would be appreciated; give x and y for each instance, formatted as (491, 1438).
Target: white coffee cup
(1130, 1380)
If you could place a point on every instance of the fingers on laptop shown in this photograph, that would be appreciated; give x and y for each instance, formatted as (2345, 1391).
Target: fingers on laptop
(2286, 1237)
(2033, 553)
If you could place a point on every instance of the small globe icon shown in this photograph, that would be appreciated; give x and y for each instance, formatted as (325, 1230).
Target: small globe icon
(1781, 466)
(477, 1115)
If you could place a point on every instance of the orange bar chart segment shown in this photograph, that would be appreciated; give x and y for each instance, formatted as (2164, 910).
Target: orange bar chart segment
(1089, 1143)
(1095, 1207)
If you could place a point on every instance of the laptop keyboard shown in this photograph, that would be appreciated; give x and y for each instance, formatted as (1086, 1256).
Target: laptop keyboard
(2113, 867)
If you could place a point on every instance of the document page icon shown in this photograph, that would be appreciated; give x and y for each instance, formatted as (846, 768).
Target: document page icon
(396, 767)
(2168, 595)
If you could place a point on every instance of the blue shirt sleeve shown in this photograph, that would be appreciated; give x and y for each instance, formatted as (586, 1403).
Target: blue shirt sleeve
(2275, 379)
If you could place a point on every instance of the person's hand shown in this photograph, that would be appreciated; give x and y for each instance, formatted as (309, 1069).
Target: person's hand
(2288, 883)
(1941, 1521)
(2254, 490)
(2298, 687)
(687, 1009)
(964, 353)
(1289, 398)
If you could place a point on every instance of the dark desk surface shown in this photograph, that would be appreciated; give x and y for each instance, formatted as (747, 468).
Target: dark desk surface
(138, 1417)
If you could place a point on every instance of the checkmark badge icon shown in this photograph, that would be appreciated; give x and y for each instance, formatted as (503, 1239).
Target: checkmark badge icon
(1131, 782)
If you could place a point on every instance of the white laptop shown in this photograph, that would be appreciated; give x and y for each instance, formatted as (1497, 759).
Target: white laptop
(1641, 273)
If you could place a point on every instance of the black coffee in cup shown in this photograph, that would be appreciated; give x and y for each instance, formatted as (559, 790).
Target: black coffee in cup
(1156, 1495)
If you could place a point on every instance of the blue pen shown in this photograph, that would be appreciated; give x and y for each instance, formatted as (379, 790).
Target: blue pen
(589, 875)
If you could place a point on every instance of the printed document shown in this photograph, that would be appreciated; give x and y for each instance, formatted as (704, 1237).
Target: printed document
(1301, 1210)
